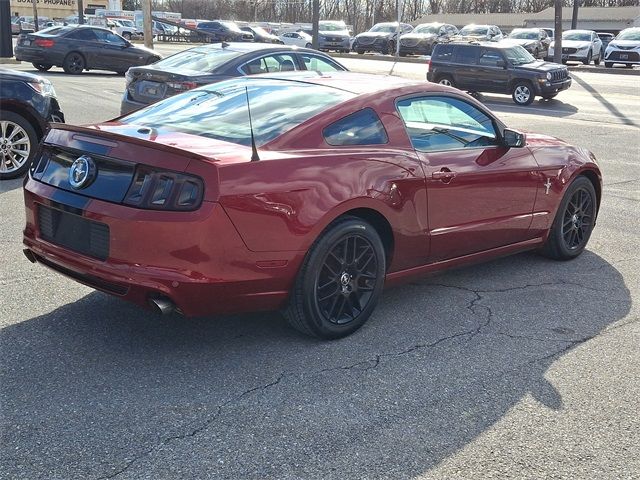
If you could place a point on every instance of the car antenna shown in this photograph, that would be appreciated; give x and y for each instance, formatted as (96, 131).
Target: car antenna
(254, 149)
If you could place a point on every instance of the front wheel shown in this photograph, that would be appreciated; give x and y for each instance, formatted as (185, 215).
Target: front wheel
(340, 281)
(43, 67)
(18, 142)
(608, 64)
(587, 60)
(522, 93)
(574, 221)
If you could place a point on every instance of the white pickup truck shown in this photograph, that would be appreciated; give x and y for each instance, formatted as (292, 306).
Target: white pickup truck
(124, 27)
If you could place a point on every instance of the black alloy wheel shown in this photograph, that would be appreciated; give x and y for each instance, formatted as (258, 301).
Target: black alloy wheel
(574, 221)
(43, 67)
(340, 281)
(74, 63)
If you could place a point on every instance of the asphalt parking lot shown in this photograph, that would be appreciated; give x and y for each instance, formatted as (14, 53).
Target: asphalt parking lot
(518, 368)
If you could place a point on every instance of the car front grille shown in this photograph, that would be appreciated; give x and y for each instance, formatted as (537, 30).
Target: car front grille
(559, 75)
(409, 42)
(74, 232)
(624, 56)
(366, 41)
(569, 50)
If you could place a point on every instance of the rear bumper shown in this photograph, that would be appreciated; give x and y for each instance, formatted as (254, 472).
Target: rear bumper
(207, 271)
(127, 105)
(27, 54)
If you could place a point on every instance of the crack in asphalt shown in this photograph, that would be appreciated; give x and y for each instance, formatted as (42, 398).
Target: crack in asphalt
(373, 363)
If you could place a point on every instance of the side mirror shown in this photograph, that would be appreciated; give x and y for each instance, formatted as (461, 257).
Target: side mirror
(501, 64)
(514, 139)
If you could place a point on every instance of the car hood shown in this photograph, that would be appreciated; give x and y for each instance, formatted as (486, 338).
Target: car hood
(418, 36)
(374, 35)
(518, 41)
(573, 44)
(540, 66)
(624, 43)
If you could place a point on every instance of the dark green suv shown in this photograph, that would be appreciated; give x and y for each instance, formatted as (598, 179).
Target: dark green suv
(496, 68)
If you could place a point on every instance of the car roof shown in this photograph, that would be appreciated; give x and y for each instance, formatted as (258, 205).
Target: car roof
(580, 30)
(356, 83)
(247, 47)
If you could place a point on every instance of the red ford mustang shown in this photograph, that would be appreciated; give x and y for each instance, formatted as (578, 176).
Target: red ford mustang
(305, 193)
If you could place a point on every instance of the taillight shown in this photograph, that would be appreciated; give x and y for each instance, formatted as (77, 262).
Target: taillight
(428, 65)
(44, 43)
(182, 86)
(163, 190)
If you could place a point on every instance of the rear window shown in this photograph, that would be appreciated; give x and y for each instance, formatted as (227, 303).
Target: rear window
(220, 111)
(200, 59)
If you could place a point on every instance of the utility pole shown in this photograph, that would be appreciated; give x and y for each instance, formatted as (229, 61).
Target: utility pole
(557, 48)
(574, 17)
(80, 12)
(316, 23)
(6, 45)
(147, 24)
(35, 15)
(398, 30)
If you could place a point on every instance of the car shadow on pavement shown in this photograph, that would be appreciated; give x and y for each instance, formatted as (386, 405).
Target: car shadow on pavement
(553, 107)
(8, 185)
(100, 387)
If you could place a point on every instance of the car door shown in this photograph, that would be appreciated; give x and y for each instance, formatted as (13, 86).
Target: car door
(116, 52)
(492, 75)
(480, 194)
(465, 73)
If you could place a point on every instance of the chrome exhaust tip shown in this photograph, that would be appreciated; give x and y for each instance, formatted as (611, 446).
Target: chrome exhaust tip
(162, 305)
(30, 255)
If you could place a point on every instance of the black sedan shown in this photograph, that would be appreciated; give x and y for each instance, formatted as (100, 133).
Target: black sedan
(80, 48)
(212, 63)
(27, 104)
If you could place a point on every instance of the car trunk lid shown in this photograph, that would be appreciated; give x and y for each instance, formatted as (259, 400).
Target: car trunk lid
(148, 85)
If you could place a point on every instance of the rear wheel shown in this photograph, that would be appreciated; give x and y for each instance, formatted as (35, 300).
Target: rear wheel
(574, 221)
(446, 80)
(340, 281)
(43, 67)
(522, 93)
(18, 141)
(74, 63)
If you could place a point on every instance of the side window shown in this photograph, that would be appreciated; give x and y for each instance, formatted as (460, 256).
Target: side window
(279, 63)
(444, 52)
(108, 37)
(490, 58)
(85, 34)
(445, 123)
(254, 67)
(466, 55)
(318, 64)
(359, 128)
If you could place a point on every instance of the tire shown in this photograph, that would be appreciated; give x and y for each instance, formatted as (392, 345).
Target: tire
(596, 61)
(523, 93)
(628, 65)
(42, 66)
(608, 64)
(574, 221)
(587, 60)
(18, 145)
(308, 45)
(340, 281)
(360, 52)
(446, 80)
(385, 49)
(74, 63)
(126, 35)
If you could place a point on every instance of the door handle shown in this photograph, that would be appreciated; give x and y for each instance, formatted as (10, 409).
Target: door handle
(444, 175)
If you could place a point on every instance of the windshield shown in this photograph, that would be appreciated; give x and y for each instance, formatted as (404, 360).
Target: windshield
(384, 27)
(260, 31)
(631, 34)
(126, 23)
(518, 55)
(332, 26)
(581, 36)
(427, 28)
(525, 34)
(219, 111)
(474, 30)
(201, 59)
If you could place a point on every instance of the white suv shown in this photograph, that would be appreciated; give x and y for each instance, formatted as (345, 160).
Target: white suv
(625, 48)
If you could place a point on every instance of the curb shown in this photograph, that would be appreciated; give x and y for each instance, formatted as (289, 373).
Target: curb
(9, 61)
